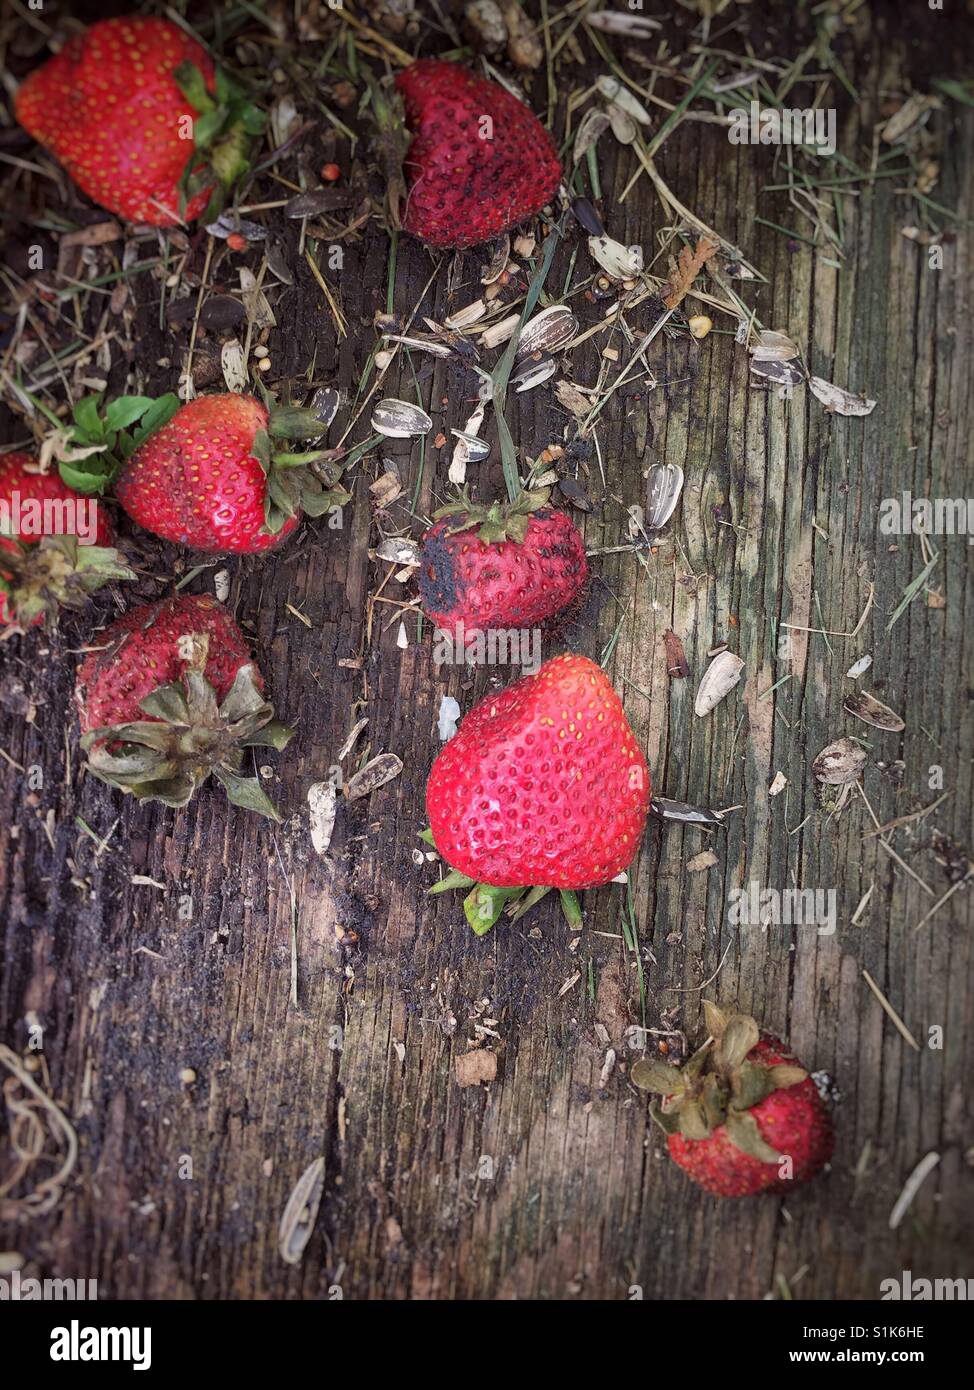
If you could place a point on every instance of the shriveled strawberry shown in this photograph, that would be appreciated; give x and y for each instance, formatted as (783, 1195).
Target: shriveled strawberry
(501, 567)
(136, 113)
(543, 786)
(170, 696)
(480, 161)
(56, 547)
(742, 1116)
(211, 479)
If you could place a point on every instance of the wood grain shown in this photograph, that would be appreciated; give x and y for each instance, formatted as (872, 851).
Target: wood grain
(549, 1183)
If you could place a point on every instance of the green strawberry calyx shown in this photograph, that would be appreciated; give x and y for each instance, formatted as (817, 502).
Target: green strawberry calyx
(297, 481)
(188, 736)
(485, 902)
(55, 572)
(498, 521)
(718, 1085)
(92, 450)
(226, 122)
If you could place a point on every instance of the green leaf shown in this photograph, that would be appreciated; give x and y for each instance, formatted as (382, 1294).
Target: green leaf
(959, 91)
(427, 836)
(261, 449)
(192, 84)
(742, 1131)
(88, 419)
(248, 793)
(159, 413)
(86, 481)
(125, 410)
(454, 879)
(571, 908)
(292, 422)
(650, 1075)
(484, 905)
(253, 120)
(206, 128)
(274, 734)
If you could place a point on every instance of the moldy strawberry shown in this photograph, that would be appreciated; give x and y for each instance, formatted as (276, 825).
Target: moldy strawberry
(135, 111)
(480, 161)
(171, 695)
(742, 1116)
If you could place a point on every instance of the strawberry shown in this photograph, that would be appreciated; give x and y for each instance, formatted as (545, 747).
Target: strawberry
(208, 478)
(543, 786)
(521, 568)
(480, 161)
(56, 547)
(743, 1116)
(136, 113)
(170, 695)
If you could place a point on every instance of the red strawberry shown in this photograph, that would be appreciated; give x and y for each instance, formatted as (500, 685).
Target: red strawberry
(56, 547)
(120, 107)
(543, 786)
(743, 1116)
(518, 570)
(209, 480)
(169, 696)
(480, 161)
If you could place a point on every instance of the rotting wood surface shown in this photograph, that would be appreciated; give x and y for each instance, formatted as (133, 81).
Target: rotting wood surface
(550, 1182)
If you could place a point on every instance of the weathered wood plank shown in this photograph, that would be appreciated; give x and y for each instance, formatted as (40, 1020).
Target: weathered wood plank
(548, 1184)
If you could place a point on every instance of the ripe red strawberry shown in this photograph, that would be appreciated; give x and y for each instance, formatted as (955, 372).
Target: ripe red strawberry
(743, 1116)
(56, 547)
(543, 786)
(208, 478)
(480, 161)
(517, 570)
(170, 695)
(121, 105)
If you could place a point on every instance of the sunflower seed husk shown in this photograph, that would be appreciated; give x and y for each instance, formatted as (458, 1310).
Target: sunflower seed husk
(498, 261)
(663, 488)
(325, 403)
(781, 373)
(619, 261)
(838, 400)
(420, 344)
(719, 679)
(277, 262)
(624, 128)
(774, 347)
(318, 200)
(547, 331)
(398, 551)
(839, 762)
(872, 711)
(463, 318)
(234, 367)
(860, 667)
(617, 22)
(587, 218)
(400, 419)
(301, 1212)
(229, 223)
(376, 773)
(615, 91)
(322, 810)
(592, 125)
(531, 373)
(477, 449)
